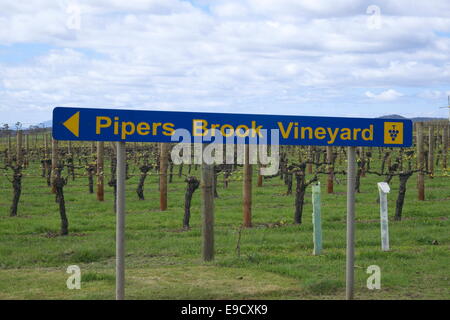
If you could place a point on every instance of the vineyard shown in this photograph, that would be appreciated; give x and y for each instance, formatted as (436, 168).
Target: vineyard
(58, 209)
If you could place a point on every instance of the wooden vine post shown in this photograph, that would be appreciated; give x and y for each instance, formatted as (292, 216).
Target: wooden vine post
(260, 176)
(92, 148)
(54, 162)
(9, 147)
(45, 146)
(420, 162)
(330, 177)
(27, 145)
(247, 189)
(207, 209)
(445, 146)
(431, 142)
(362, 156)
(100, 175)
(163, 165)
(309, 168)
(19, 154)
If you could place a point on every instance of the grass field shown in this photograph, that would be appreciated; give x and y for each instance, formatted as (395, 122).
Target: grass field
(275, 261)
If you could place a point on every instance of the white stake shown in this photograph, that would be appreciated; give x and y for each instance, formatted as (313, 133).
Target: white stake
(384, 189)
(317, 224)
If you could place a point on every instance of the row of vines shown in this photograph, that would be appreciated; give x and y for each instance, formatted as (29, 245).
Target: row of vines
(62, 163)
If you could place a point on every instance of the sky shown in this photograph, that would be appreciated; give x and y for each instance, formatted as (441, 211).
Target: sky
(295, 57)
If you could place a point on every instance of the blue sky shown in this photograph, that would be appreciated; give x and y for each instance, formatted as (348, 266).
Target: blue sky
(26, 53)
(351, 58)
(21, 53)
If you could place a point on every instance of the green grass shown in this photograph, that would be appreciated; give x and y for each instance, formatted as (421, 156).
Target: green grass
(275, 261)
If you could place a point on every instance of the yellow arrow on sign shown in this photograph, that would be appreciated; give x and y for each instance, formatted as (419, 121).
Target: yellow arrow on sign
(73, 124)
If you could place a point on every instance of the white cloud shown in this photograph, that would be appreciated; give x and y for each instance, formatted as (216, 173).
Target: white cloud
(276, 56)
(388, 95)
(432, 94)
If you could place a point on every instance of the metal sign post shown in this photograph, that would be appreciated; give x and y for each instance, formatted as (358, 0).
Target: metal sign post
(351, 179)
(120, 224)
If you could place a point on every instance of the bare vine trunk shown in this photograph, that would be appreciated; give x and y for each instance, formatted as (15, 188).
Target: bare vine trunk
(17, 189)
(192, 184)
(289, 184)
(90, 172)
(140, 188)
(58, 184)
(401, 195)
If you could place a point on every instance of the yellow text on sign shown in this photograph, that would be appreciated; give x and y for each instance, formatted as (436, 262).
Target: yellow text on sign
(128, 128)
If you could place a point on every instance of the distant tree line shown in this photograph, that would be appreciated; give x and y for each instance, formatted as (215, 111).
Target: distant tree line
(6, 130)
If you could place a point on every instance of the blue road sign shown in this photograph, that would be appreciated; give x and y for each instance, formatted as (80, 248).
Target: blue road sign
(159, 126)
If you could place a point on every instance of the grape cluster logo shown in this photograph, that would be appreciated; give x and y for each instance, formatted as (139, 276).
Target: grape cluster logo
(393, 132)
